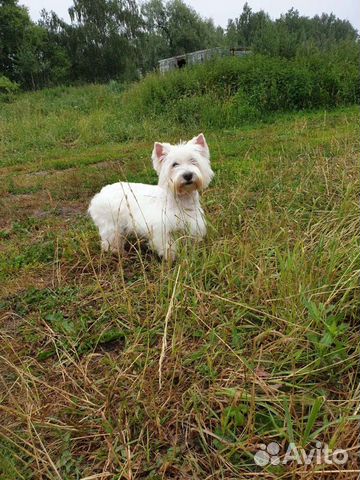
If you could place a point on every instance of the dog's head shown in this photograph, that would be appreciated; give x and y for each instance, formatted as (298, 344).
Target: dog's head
(183, 168)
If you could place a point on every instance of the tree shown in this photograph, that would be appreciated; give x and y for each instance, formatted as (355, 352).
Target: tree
(174, 28)
(289, 35)
(245, 30)
(155, 37)
(14, 23)
(28, 52)
(111, 39)
(54, 50)
(188, 31)
(103, 39)
(231, 33)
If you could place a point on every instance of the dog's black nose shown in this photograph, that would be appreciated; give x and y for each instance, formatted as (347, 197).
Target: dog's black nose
(188, 176)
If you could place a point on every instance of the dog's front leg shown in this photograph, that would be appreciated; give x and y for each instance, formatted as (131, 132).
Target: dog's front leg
(111, 240)
(164, 246)
(197, 229)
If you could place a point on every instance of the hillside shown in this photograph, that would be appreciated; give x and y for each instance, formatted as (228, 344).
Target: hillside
(261, 344)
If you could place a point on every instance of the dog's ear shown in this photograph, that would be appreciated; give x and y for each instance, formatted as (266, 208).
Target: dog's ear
(159, 153)
(201, 142)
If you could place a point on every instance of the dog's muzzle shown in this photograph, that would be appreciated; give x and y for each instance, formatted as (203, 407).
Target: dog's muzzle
(188, 177)
(188, 182)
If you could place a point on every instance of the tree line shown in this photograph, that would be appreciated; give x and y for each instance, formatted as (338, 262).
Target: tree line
(122, 40)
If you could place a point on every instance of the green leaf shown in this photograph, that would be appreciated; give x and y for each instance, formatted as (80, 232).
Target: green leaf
(312, 418)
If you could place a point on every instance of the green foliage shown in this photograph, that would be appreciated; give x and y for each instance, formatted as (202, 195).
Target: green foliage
(7, 88)
(14, 22)
(12, 464)
(244, 30)
(101, 33)
(232, 91)
(117, 40)
(29, 53)
(174, 28)
(289, 34)
(330, 341)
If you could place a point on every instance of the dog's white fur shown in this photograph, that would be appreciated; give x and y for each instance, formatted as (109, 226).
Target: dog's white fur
(156, 212)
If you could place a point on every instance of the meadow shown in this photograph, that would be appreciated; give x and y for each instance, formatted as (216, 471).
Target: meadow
(130, 368)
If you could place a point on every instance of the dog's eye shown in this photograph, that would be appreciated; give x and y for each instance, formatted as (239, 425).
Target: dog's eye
(175, 164)
(193, 161)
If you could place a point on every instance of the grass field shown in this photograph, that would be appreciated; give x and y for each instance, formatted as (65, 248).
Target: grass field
(129, 368)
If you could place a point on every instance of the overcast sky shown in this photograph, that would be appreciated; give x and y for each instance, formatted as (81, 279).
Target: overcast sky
(221, 10)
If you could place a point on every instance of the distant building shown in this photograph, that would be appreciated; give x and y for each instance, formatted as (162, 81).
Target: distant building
(200, 56)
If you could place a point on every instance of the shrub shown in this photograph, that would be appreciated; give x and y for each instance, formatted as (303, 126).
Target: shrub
(230, 91)
(7, 88)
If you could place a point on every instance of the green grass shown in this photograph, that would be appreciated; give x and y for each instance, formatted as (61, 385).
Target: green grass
(140, 370)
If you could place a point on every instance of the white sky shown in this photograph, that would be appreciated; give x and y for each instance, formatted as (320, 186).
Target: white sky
(221, 10)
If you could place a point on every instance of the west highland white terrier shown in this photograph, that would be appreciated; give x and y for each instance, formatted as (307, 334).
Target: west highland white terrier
(157, 212)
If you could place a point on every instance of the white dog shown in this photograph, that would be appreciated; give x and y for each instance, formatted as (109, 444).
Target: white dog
(157, 212)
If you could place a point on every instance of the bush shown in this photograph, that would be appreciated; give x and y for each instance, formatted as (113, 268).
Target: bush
(231, 91)
(7, 88)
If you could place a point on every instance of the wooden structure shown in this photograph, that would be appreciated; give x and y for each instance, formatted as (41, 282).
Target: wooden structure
(200, 56)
